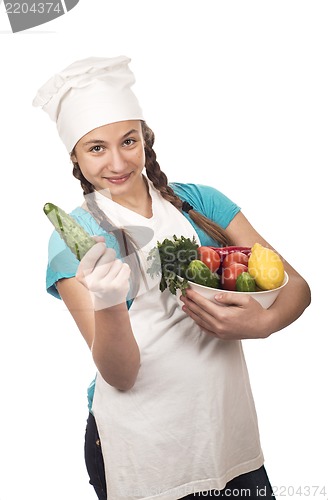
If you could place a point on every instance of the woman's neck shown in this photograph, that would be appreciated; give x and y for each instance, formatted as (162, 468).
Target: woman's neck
(139, 201)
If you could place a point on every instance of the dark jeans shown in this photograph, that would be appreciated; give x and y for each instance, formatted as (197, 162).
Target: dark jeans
(254, 485)
(94, 459)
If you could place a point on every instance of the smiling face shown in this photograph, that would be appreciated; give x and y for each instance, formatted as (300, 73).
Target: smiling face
(112, 157)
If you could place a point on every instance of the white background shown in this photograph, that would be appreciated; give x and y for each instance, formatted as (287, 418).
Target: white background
(236, 93)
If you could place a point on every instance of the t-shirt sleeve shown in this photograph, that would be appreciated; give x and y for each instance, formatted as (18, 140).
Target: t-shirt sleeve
(62, 263)
(210, 202)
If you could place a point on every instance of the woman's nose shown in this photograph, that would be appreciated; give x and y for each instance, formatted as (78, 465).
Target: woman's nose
(118, 161)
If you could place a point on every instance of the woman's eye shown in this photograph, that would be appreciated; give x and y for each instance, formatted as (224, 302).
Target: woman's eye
(129, 142)
(97, 149)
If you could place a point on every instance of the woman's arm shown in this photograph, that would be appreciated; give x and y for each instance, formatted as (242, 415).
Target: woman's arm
(103, 322)
(246, 318)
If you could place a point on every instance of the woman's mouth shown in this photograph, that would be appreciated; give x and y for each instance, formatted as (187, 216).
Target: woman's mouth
(119, 179)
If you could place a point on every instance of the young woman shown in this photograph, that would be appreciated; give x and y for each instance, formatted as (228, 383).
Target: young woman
(171, 414)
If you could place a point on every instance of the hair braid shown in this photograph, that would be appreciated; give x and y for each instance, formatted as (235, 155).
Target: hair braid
(87, 187)
(154, 172)
(159, 179)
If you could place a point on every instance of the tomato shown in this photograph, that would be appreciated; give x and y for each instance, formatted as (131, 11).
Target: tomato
(239, 257)
(209, 257)
(230, 275)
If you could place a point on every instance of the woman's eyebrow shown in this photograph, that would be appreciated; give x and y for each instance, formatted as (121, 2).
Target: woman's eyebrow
(100, 141)
(94, 141)
(132, 131)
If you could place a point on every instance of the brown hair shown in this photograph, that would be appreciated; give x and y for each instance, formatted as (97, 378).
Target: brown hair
(160, 182)
(159, 179)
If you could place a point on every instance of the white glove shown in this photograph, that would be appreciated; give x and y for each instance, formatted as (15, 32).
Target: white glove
(105, 276)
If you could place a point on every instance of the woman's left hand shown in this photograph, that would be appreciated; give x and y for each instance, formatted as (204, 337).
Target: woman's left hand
(234, 317)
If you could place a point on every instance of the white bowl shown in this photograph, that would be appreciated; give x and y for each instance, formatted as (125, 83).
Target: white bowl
(265, 297)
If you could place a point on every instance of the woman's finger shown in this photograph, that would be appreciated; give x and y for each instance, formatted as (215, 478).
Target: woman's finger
(91, 258)
(103, 273)
(99, 238)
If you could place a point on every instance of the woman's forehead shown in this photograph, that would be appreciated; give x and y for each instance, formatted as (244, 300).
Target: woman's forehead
(113, 130)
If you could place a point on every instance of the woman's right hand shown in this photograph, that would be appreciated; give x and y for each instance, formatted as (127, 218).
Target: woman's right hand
(104, 275)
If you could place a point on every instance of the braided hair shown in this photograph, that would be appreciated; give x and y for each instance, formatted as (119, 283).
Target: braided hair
(159, 179)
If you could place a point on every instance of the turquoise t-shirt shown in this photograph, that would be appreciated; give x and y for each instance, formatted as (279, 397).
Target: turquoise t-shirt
(204, 199)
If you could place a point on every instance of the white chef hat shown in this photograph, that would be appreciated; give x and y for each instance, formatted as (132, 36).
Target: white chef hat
(88, 94)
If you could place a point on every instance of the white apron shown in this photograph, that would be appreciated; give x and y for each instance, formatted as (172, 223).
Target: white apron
(189, 423)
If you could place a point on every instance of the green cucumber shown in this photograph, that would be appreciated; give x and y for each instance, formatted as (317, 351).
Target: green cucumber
(245, 283)
(75, 237)
(198, 272)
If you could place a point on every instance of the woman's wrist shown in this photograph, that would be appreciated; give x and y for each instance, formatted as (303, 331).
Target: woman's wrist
(113, 319)
(105, 303)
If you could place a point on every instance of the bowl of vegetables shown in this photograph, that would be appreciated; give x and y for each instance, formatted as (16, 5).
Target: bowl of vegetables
(257, 271)
(265, 297)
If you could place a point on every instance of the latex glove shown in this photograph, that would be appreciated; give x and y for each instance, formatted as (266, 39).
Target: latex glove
(105, 276)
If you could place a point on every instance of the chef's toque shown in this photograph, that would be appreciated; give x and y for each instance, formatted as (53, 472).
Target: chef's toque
(88, 94)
